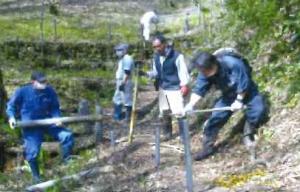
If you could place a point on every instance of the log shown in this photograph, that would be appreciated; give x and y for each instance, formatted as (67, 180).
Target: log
(79, 176)
(64, 120)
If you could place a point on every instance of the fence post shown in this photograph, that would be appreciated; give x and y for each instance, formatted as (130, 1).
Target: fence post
(157, 146)
(98, 126)
(187, 156)
(84, 109)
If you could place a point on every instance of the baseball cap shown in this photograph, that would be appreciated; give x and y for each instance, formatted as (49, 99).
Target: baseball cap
(122, 46)
(38, 76)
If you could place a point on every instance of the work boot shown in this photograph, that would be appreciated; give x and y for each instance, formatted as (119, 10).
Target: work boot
(118, 112)
(34, 171)
(128, 113)
(249, 139)
(167, 127)
(207, 150)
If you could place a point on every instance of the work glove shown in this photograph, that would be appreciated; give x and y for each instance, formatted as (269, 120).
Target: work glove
(184, 90)
(12, 123)
(237, 105)
(188, 108)
(122, 87)
(59, 124)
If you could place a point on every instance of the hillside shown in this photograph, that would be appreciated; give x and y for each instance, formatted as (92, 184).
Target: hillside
(73, 43)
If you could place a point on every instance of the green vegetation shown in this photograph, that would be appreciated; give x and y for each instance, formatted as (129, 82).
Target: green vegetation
(69, 29)
(265, 32)
(79, 62)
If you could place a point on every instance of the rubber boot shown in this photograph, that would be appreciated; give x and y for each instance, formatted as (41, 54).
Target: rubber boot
(207, 150)
(249, 139)
(66, 155)
(35, 171)
(118, 112)
(167, 126)
(128, 113)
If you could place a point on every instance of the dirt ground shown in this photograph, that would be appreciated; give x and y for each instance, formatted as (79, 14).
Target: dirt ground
(230, 169)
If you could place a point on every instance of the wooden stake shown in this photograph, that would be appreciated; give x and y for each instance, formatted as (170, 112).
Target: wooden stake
(133, 112)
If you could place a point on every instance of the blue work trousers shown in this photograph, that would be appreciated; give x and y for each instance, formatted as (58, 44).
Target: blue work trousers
(33, 138)
(254, 114)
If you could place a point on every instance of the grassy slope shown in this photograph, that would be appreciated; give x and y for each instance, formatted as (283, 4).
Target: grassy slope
(278, 142)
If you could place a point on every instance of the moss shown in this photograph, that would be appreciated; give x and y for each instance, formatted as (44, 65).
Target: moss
(238, 179)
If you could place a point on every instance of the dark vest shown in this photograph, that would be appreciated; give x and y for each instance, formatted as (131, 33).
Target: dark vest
(168, 74)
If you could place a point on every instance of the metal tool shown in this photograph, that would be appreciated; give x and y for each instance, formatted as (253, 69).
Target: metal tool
(63, 120)
(213, 109)
(210, 110)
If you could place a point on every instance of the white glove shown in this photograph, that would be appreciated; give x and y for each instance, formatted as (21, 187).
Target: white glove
(236, 105)
(189, 108)
(12, 122)
(193, 100)
(59, 124)
(151, 74)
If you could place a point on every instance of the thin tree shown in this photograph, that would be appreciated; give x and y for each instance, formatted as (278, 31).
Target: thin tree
(2, 95)
(54, 11)
(42, 28)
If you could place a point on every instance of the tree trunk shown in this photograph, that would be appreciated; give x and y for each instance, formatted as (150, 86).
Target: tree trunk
(3, 96)
(2, 115)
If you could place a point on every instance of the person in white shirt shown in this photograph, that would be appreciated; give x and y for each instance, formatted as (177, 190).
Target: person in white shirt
(124, 86)
(172, 77)
(145, 21)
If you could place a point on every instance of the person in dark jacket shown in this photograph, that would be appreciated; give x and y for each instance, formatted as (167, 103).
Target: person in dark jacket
(233, 77)
(172, 77)
(35, 101)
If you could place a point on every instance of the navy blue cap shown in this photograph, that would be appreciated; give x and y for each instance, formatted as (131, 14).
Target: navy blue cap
(203, 60)
(122, 46)
(38, 76)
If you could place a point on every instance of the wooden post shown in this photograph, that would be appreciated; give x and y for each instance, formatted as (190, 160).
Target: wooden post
(2, 155)
(157, 146)
(98, 126)
(84, 109)
(112, 137)
(2, 96)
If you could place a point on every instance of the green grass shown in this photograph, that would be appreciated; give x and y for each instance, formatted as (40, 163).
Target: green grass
(61, 73)
(69, 29)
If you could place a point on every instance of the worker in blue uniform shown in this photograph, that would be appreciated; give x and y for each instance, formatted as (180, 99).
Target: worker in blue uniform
(34, 101)
(232, 75)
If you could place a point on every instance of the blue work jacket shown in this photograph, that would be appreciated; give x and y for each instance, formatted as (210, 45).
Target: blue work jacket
(233, 77)
(33, 104)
